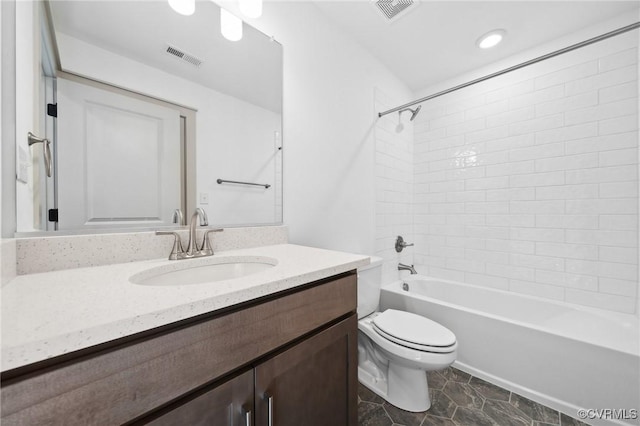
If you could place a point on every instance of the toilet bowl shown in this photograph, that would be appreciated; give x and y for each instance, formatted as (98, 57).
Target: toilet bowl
(395, 348)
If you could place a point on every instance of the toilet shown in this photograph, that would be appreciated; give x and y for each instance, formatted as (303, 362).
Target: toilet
(395, 348)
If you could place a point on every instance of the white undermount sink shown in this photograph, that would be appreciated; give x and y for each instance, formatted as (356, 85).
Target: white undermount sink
(213, 269)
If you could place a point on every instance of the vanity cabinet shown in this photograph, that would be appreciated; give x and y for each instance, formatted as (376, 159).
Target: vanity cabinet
(291, 357)
(306, 384)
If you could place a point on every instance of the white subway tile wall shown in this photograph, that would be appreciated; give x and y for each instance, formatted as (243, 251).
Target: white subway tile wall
(528, 182)
(394, 163)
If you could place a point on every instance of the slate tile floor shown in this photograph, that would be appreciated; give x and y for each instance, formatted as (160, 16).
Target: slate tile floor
(459, 399)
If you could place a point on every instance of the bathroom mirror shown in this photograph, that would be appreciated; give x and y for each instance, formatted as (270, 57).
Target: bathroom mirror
(156, 111)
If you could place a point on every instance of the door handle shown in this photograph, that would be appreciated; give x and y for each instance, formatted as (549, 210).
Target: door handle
(247, 416)
(269, 398)
(33, 139)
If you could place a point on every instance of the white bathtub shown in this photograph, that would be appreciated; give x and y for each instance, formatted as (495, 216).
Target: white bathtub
(559, 355)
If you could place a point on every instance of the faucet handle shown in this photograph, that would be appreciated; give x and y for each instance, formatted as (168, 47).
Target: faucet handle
(177, 252)
(401, 244)
(206, 248)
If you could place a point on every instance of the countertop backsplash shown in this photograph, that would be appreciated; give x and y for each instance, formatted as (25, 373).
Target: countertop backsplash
(44, 254)
(8, 264)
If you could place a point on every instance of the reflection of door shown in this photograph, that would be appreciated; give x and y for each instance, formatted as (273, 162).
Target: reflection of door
(118, 159)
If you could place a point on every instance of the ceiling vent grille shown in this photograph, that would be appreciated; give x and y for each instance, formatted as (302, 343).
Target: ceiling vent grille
(394, 9)
(181, 54)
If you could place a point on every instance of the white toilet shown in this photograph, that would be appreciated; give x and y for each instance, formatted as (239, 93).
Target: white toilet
(395, 348)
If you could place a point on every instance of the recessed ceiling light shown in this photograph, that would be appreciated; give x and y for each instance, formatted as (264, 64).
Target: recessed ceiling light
(183, 7)
(230, 25)
(490, 39)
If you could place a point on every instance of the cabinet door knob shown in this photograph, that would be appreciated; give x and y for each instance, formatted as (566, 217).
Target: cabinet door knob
(269, 399)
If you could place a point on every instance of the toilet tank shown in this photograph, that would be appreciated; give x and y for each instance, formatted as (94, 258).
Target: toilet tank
(369, 283)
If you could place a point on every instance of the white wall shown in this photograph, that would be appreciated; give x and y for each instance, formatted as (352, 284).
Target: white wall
(2, 245)
(329, 121)
(7, 143)
(1, 116)
(529, 182)
(27, 106)
(243, 150)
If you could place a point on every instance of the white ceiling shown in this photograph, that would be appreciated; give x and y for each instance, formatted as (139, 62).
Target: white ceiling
(249, 69)
(436, 40)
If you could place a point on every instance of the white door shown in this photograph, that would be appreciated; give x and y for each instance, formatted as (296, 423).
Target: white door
(118, 159)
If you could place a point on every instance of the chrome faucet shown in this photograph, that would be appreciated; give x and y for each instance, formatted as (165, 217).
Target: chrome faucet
(192, 247)
(205, 249)
(403, 267)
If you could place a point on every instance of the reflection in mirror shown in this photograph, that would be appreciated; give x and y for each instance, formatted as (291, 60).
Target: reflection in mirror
(153, 109)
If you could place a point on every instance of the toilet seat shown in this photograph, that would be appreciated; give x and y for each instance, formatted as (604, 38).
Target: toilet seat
(414, 331)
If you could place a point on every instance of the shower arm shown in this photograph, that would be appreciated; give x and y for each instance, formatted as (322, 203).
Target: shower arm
(567, 49)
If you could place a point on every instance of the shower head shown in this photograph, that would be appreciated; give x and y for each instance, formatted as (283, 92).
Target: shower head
(414, 112)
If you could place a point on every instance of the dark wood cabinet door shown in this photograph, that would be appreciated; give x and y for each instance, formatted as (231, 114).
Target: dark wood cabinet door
(228, 404)
(314, 383)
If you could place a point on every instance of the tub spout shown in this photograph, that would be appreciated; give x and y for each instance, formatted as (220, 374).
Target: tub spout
(403, 267)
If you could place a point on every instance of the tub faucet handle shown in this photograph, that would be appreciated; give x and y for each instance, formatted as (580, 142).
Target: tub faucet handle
(400, 244)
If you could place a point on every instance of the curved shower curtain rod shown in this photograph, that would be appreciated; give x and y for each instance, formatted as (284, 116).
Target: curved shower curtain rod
(518, 66)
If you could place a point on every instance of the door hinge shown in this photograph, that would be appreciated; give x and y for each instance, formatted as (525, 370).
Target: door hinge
(53, 215)
(52, 110)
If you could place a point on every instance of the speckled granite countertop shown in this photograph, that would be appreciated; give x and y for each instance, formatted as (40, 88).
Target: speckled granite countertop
(49, 314)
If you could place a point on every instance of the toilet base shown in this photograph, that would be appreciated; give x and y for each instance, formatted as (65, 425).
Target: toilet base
(405, 388)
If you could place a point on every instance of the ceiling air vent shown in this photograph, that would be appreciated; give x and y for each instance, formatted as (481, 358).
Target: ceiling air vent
(181, 54)
(394, 9)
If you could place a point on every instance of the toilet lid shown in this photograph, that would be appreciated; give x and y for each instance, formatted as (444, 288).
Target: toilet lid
(412, 329)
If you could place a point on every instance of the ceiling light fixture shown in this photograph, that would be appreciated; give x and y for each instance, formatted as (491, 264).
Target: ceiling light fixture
(250, 8)
(183, 7)
(490, 39)
(230, 25)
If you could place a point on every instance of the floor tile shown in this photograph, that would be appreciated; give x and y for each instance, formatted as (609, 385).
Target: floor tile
(370, 414)
(570, 421)
(402, 417)
(430, 420)
(368, 395)
(463, 395)
(459, 399)
(505, 414)
(489, 390)
(535, 411)
(441, 404)
(469, 417)
(435, 380)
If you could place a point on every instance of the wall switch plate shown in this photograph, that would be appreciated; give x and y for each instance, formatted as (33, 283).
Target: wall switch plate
(204, 198)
